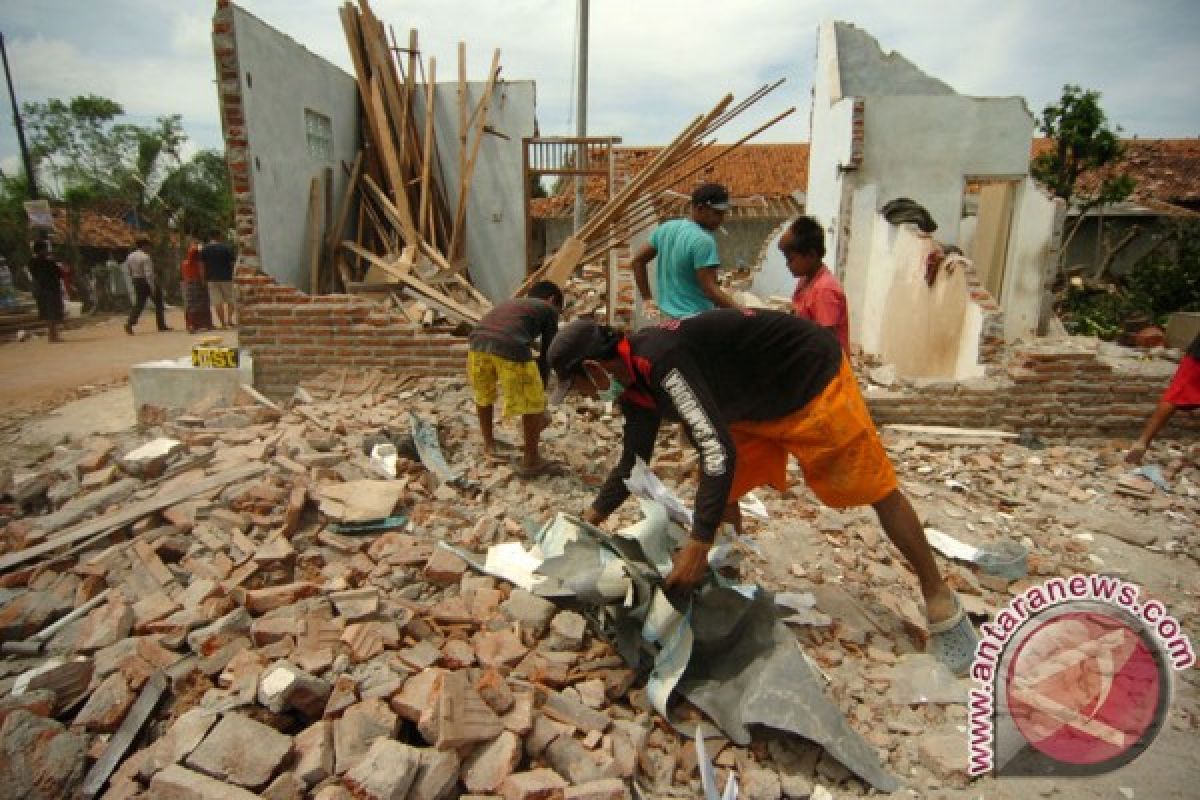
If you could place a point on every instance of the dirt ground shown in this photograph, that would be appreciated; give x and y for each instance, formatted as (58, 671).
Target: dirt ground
(95, 353)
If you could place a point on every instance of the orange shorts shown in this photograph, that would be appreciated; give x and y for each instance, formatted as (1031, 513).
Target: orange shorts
(834, 440)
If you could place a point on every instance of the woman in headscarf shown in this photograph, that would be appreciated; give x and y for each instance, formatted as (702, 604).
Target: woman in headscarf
(196, 311)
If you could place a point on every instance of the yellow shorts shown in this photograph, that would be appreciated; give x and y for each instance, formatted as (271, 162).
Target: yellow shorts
(520, 383)
(834, 440)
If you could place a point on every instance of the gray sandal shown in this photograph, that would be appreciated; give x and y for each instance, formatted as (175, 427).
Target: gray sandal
(953, 640)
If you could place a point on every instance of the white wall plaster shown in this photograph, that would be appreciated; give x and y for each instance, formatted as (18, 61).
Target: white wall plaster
(1029, 260)
(279, 80)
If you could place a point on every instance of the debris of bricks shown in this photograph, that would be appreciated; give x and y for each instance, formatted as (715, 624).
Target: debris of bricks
(209, 608)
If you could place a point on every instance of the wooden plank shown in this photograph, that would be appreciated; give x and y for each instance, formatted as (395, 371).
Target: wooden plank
(333, 234)
(391, 167)
(131, 513)
(312, 238)
(122, 740)
(462, 107)
(457, 237)
(945, 430)
(565, 261)
(424, 218)
(417, 285)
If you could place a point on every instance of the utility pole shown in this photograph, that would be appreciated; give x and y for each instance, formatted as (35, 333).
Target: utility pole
(581, 155)
(30, 181)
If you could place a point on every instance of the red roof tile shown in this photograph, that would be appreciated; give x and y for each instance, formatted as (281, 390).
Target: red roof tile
(1165, 170)
(767, 171)
(95, 229)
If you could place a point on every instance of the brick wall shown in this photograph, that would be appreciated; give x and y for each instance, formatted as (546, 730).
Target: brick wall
(233, 124)
(293, 336)
(1060, 396)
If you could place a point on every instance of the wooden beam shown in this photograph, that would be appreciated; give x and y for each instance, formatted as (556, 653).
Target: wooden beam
(130, 513)
(122, 740)
(424, 215)
(312, 238)
(391, 165)
(457, 237)
(334, 233)
(423, 289)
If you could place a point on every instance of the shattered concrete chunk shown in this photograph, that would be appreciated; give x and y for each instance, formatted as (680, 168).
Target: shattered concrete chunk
(241, 750)
(39, 758)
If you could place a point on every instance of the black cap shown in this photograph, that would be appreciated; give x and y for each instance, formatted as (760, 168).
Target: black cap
(575, 343)
(713, 195)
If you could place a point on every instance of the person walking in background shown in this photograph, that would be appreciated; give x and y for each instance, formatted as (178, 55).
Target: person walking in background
(687, 260)
(197, 314)
(145, 286)
(218, 259)
(47, 288)
(818, 296)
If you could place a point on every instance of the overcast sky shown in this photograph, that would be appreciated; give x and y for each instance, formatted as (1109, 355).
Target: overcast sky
(654, 64)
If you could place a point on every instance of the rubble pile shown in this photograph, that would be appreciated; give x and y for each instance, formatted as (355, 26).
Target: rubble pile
(246, 602)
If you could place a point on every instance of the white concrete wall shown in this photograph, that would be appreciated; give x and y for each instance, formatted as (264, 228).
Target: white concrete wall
(495, 217)
(924, 148)
(772, 277)
(830, 143)
(923, 141)
(1030, 261)
(923, 331)
(279, 80)
(866, 282)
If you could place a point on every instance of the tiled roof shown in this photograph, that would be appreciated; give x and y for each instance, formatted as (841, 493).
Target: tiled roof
(95, 229)
(1165, 170)
(753, 173)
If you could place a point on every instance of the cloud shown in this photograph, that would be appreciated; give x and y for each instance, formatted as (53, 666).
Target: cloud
(654, 64)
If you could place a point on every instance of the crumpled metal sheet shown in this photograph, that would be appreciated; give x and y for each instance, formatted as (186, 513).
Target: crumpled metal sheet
(726, 651)
(424, 436)
(747, 669)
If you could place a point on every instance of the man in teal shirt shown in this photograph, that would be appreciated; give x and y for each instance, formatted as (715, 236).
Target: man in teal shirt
(686, 251)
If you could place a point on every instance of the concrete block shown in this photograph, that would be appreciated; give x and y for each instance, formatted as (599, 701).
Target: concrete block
(242, 751)
(176, 385)
(386, 771)
(177, 783)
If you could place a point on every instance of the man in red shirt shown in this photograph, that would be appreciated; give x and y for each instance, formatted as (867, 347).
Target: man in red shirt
(818, 296)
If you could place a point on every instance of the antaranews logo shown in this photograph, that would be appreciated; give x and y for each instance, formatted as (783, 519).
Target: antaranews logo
(1074, 679)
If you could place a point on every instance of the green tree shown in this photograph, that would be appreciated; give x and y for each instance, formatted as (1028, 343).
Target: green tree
(1083, 143)
(84, 154)
(199, 192)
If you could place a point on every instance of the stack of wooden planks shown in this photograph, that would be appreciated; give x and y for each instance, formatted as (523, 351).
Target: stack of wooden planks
(636, 206)
(404, 212)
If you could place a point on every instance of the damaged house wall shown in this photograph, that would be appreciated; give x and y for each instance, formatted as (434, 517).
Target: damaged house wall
(276, 98)
(495, 232)
(268, 82)
(882, 129)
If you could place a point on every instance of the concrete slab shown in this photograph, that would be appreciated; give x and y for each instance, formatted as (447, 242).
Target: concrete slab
(175, 385)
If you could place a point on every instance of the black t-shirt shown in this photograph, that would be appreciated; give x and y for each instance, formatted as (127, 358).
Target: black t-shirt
(511, 326)
(46, 277)
(709, 371)
(1194, 348)
(218, 260)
